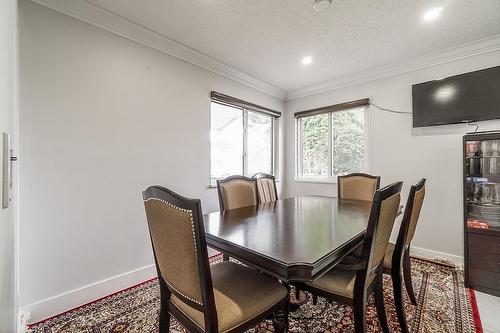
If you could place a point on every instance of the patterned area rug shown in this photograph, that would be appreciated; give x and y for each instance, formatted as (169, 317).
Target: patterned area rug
(444, 305)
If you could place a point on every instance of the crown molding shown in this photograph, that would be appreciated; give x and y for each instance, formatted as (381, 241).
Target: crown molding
(471, 49)
(99, 17)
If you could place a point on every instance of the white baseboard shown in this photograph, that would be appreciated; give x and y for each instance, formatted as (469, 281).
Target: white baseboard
(60, 303)
(430, 254)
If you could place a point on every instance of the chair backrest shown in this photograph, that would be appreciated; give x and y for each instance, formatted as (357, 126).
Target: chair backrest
(412, 213)
(383, 213)
(357, 186)
(266, 187)
(237, 191)
(409, 222)
(179, 247)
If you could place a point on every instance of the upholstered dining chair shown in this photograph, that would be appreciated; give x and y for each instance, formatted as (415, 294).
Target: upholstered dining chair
(224, 297)
(397, 256)
(357, 186)
(237, 191)
(266, 187)
(352, 281)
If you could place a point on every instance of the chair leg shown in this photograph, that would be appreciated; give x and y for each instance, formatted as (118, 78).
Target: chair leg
(379, 302)
(359, 309)
(287, 312)
(407, 278)
(225, 257)
(397, 288)
(280, 318)
(315, 299)
(164, 320)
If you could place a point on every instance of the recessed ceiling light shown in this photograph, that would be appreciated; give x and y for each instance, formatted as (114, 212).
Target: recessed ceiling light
(432, 14)
(307, 60)
(320, 5)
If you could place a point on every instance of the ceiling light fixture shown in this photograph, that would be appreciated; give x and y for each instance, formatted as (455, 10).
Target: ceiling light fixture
(321, 5)
(432, 14)
(307, 60)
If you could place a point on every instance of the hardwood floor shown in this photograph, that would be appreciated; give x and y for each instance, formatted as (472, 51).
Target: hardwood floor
(489, 308)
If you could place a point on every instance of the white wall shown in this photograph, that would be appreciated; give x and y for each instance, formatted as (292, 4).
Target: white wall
(101, 119)
(8, 116)
(397, 152)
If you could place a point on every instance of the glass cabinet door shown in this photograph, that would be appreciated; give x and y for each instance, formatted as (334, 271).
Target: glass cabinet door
(482, 169)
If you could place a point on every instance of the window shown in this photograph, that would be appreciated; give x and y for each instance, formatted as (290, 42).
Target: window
(259, 143)
(331, 143)
(241, 140)
(226, 141)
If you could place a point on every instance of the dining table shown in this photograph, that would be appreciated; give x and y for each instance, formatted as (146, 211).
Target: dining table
(295, 239)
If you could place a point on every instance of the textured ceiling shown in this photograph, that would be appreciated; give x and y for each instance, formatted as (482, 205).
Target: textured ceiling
(268, 38)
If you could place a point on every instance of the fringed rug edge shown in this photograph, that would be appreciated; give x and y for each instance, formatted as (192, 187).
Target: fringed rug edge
(475, 310)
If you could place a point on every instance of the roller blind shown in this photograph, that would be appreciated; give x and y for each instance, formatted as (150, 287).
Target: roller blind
(233, 101)
(333, 108)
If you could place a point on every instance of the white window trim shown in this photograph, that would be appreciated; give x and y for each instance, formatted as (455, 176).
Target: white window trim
(274, 136)
(330, 179)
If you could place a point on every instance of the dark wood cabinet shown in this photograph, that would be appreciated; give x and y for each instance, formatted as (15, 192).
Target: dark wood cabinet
(485, 261)
(482, 211)
(484, 243)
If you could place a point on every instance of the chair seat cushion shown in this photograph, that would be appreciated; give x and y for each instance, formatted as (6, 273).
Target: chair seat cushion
(240, 294)
(388, 255)
(336, 281)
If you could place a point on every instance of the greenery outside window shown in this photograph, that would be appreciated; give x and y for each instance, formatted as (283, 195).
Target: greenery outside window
(330, 144)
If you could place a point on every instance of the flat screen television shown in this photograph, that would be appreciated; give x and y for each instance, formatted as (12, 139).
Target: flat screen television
(468, 97)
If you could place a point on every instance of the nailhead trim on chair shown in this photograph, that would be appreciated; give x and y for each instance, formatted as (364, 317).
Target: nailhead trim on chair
(194, 239)
(189, 298)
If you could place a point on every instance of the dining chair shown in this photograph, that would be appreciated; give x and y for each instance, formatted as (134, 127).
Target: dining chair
(397, 256)
(266, 187)
(237, 191)
(352, 281)
(224, 297)
(357, 186)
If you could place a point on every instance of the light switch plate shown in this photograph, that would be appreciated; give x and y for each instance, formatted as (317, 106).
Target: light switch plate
(6, 171)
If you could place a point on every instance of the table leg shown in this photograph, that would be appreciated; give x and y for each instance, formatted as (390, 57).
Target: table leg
(299, 298)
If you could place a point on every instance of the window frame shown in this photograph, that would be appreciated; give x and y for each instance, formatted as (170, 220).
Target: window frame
(274, 120)
(330, 179)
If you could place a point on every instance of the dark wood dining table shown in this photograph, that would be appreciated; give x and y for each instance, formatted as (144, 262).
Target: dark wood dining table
(295, 239)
